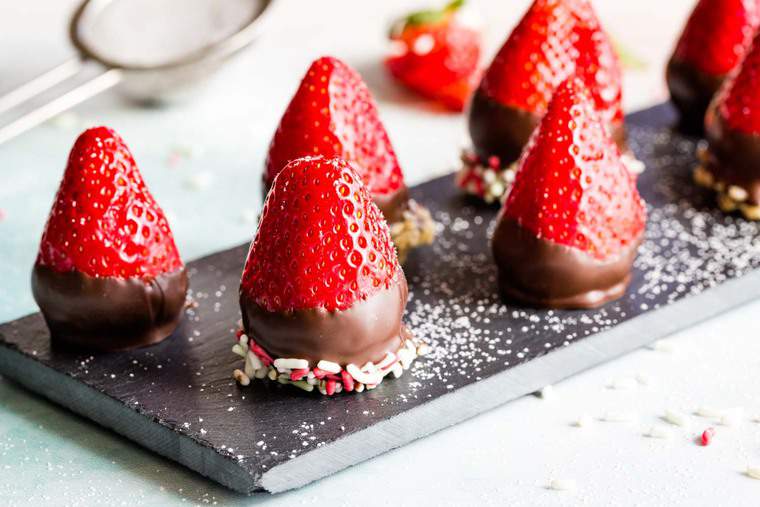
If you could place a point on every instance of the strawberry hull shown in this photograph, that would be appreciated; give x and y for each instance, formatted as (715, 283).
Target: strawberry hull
(691, 90)
(542, 273)
(108, 313)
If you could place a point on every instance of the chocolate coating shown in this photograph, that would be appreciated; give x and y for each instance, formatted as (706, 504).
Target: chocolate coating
(109, 314)
(691, 90)
(733, 157)
(364, 332)
(543, 273)
(504, 131)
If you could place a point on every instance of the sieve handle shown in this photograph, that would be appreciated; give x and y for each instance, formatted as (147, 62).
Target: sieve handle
(100, 83)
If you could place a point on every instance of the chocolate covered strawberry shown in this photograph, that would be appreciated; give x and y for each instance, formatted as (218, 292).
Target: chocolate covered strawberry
(108, 275)
(572, 222)
(730, 164)
(712, 44)
(333, 114)
(322, 293)
(555, 40)
(436, 53)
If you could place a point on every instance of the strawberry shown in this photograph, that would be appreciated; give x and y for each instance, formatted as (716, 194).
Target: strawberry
(556, 39)
(436, 53)
(104, 221)
(572, 187)
(717, 34)
(333, 114)
(738, 102)
(321, 242)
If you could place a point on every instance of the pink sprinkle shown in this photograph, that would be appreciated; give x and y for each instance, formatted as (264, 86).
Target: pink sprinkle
(330, 387)
(707, 436)
(494, 162)
(348, 381)
(239, 333)
(333, 376)
(299, 374)
(260, 353)
(320, 374)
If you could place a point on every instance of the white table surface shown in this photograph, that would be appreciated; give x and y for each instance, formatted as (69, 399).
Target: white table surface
(504, 457)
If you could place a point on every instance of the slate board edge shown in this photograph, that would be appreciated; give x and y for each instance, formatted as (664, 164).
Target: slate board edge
(479, 397)
(74, 395)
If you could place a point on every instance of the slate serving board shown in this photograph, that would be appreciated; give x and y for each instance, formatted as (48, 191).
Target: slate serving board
(178, 398)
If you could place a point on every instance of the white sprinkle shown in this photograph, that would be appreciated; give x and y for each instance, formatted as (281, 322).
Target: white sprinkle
(237, 349)
(329, 366)
(753, 472)
(290, 364)
(623, 384)
(584, 421)
(360, 376)
(710, 412)
(243, 340)
(241, 377)
(562, 485)
(732, 417)
(397, 370)
(199, 181)
(230, 409)
(677, 418)
(662, 346)
(387, 360)
(645, 380)
(547, 393)
(619, 417)
(659, 432)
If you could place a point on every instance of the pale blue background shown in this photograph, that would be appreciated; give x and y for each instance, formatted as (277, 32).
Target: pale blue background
(49, 456)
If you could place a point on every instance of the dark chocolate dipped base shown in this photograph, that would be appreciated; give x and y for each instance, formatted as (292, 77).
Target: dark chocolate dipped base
(109, 314)
(364, 332)
(503, 131)
(691, 90)
(539, 272)
(730, 165)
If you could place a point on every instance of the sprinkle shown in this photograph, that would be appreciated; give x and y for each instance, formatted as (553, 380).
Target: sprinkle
(584, 421)
(303, 385)
(660, 432)
(710, 412)
(623, 384)
(330, 387)
(237, 349)
(423, 349)
(753, 472)
(397, 370)
(662, 346)
(732, 417)
(241, 378)
(199, 181)
(562, 485)
(290, 364)
(261, 373)
(252, 363)
(388, 360)
(547, 393)
(677, 418)
(358, 387)
(360, 376)
(406, 357)
(707, 436)
(272, 374)
(329, 366)
(348, 381)
(319, 373)
(298, 374)
(423, 44)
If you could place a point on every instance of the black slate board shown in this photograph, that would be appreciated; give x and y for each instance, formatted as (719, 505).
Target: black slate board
(179, 400)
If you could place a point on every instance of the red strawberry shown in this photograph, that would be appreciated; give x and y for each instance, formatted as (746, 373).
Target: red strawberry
(571, 186)
(556, 39)
(333, 114)
(437, 55)
(738, 102)
(321, 243)
(104, 221)
(717, 35)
